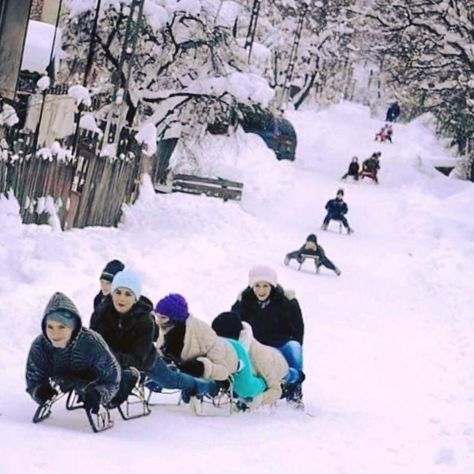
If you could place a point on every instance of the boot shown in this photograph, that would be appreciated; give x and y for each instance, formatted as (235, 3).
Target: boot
(202, 389)
(324, 227)
(206, 388)
(127, 384)
(337, 271)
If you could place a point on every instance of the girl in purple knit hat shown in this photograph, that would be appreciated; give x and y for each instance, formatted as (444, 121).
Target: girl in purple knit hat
(190, 343)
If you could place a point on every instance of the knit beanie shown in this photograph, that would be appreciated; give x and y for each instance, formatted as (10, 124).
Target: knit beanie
(129, 280)
(262, 273)
(228, 324)
(111, 269)
(64, 317)
(173, 306)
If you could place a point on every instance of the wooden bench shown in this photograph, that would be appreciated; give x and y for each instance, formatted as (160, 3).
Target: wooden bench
(214, 187)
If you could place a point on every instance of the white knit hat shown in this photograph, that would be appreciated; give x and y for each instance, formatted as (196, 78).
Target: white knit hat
(262, 273)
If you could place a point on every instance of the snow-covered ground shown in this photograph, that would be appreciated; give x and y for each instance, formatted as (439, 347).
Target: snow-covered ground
(389, 352)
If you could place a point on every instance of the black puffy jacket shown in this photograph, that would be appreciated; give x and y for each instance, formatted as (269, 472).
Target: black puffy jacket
(336, 208)
(277, 321)
(130, 336)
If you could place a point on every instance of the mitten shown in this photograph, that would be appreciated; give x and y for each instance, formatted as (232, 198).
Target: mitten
(44, 392)
(92, 399)
(192, 367)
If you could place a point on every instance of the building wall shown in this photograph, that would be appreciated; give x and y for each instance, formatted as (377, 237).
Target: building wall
(36, 10)
(44, 10)
(13, 22)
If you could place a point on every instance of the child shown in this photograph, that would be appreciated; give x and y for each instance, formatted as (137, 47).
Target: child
(268, 362)
(106, 277)
(275, 317)
(371, 166)
(191, 344)
(74, 357)
(311, 248)
(337, 210)
(353, 169)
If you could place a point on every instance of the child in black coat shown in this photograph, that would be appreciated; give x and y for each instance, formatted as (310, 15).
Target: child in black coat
(312, 249)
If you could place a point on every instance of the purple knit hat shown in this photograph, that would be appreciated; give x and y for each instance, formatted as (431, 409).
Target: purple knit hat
(173, 306)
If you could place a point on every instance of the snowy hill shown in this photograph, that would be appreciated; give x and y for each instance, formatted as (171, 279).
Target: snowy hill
(388, 345)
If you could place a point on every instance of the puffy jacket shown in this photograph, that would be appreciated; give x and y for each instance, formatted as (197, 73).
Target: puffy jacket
(202, 343)
(336, 207)
(268, 363)
(130, 336)
(86, 357)
(275, 321)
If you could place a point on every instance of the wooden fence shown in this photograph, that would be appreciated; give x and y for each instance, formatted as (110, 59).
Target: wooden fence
(87, 189)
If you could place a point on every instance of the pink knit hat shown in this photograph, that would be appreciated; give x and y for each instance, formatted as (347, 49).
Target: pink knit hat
(262, 273)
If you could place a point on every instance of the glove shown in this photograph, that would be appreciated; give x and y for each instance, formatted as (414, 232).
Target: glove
(192, 367)
(44, 393)
(92, 399)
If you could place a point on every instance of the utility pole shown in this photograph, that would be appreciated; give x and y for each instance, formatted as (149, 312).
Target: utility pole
(252, 27)
(121, 76)
(89, 62)
(293, 54)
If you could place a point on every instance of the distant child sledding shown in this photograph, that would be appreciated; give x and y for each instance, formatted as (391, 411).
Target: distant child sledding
(311, 250)
(371, 166)
(385, 134)
(393, 112)
(337, 210)
(353, 169)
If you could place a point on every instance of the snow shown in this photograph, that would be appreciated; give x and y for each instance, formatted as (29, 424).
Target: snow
(388, 345)
(192, 7)
(244, 86)
(147, 135)
(39, 45)
(88, 122)
(156, 15)
(8, 116)
(80, 94)
(43, 83)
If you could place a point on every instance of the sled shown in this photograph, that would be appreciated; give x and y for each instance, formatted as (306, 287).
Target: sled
(222, 404)
(98, 422)
(136, 404)
(161, 396)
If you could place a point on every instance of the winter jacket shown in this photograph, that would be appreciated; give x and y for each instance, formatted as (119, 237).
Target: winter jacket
(245, 382)
(275, 321)
(101, 299)
(392, 112)
(336, 208)
(370, 165)
(203, 344)
(353, 169)
(86, 357)
(268, 363)
(130, 336)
